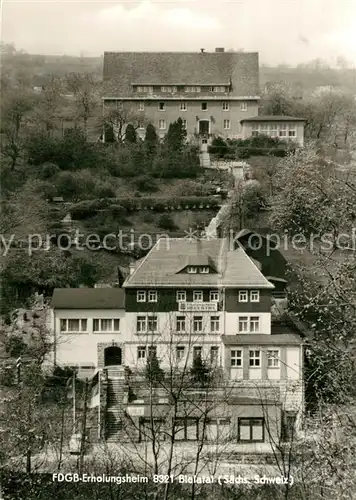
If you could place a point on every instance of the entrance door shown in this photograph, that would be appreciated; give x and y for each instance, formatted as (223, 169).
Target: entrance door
(112, 356)
(204, 127)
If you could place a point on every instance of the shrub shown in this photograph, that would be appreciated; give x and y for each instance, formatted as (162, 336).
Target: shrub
(47, 170)
(146, 183)
(148, 218)
(218, 147)
(84, 209)
(105, 190)
(166, 222)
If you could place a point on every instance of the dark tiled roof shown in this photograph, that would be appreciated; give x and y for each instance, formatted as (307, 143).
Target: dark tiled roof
(88, 298)
(262, 339)
(273, 118)
(123, 69)
(159, 267)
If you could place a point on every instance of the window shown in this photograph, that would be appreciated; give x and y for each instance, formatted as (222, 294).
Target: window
(218, 429)
(264, 129)
(254, 324)
(141, 325)
(140, 126)
(214, 354)
(292, 131)
(204, 106)
(227, 124)
(141, 106)
(192, 89)
(243, 296)
(273, 130)
(214, 296)
(283, 130)
(219, 89)
(106, 325)
(181, 296)
(197, 296)
(255, 129)
(162, 124)
(152, 325)
(214, 324)
(141, 296)
(225, 106)
(255, 296)
(255, 358)
(197, 350)
(243, 106)
(180, 352)
(152, 352)
(288, 425)
(184, 124)
(141, 353)
(273, 358)
(191, 269)
(145, 89)
(186, 429)
(197, 324)
(183, 106)
(162, 106)
(73, 325)
(204, 270)
(236, 357)
(152, 296)
(243, 324)
(180, 324)
(151, 428)
(251, 429)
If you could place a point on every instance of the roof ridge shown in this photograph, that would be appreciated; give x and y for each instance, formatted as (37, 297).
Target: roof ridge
(254, 265)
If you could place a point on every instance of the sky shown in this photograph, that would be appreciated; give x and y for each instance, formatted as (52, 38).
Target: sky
(282, 31)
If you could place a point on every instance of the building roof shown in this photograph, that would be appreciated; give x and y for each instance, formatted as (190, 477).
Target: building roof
(262, 339)
(122, 70)
(162, 265)
(273, 118)
(88, 298)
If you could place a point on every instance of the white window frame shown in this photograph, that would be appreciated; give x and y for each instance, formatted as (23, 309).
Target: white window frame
(141, 349)
(184, 124)
(243, 106)
(243, 296)
(192, 270)
(181, 350)
(198, 325)
(152, 319)
(264, 129)
(293, 129)
(82, 325)
(236, 358)
(273, 358)
(214, 296)
(152, 295)
(162, 124)
(255, 130)
(226, 106)
(254, 356)
(198, 293)
(254, 296)
(214, 349)
(282, 130)
(204, 270)
(141, 106)
(215, 324)
(181, 324)
(273, 131)
(255, 324)
(181, 296)
(141, 320)
(243, 324)
(100, 328)
(140, 126)
(183, 106)
(141, 296)
(227, 124)
(201, 106)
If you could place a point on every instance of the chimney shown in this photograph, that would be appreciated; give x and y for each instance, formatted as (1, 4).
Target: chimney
(219, 49)
(132, 268)
(202, 51)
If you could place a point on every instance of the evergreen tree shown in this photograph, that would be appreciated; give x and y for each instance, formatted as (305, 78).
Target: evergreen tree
(176, 136)
(154, 372)
(130, 134)
(151, 140)
(199, 372)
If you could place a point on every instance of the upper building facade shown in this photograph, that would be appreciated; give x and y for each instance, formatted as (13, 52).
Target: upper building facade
(210, 91)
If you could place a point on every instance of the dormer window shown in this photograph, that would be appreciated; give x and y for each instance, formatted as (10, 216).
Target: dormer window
(204, 270)
(192, 270)
(144, 89)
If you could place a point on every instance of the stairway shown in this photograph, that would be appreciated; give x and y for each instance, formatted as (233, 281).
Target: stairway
(115, 403)
(204, 159)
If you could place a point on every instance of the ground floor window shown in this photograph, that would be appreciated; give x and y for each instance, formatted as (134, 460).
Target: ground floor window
(186, 429)
(217, 429)
(251, 429)
(152, 428)
(288, 425)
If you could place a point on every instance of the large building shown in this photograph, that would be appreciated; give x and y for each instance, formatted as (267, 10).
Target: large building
(186, 300)
(210, 91)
